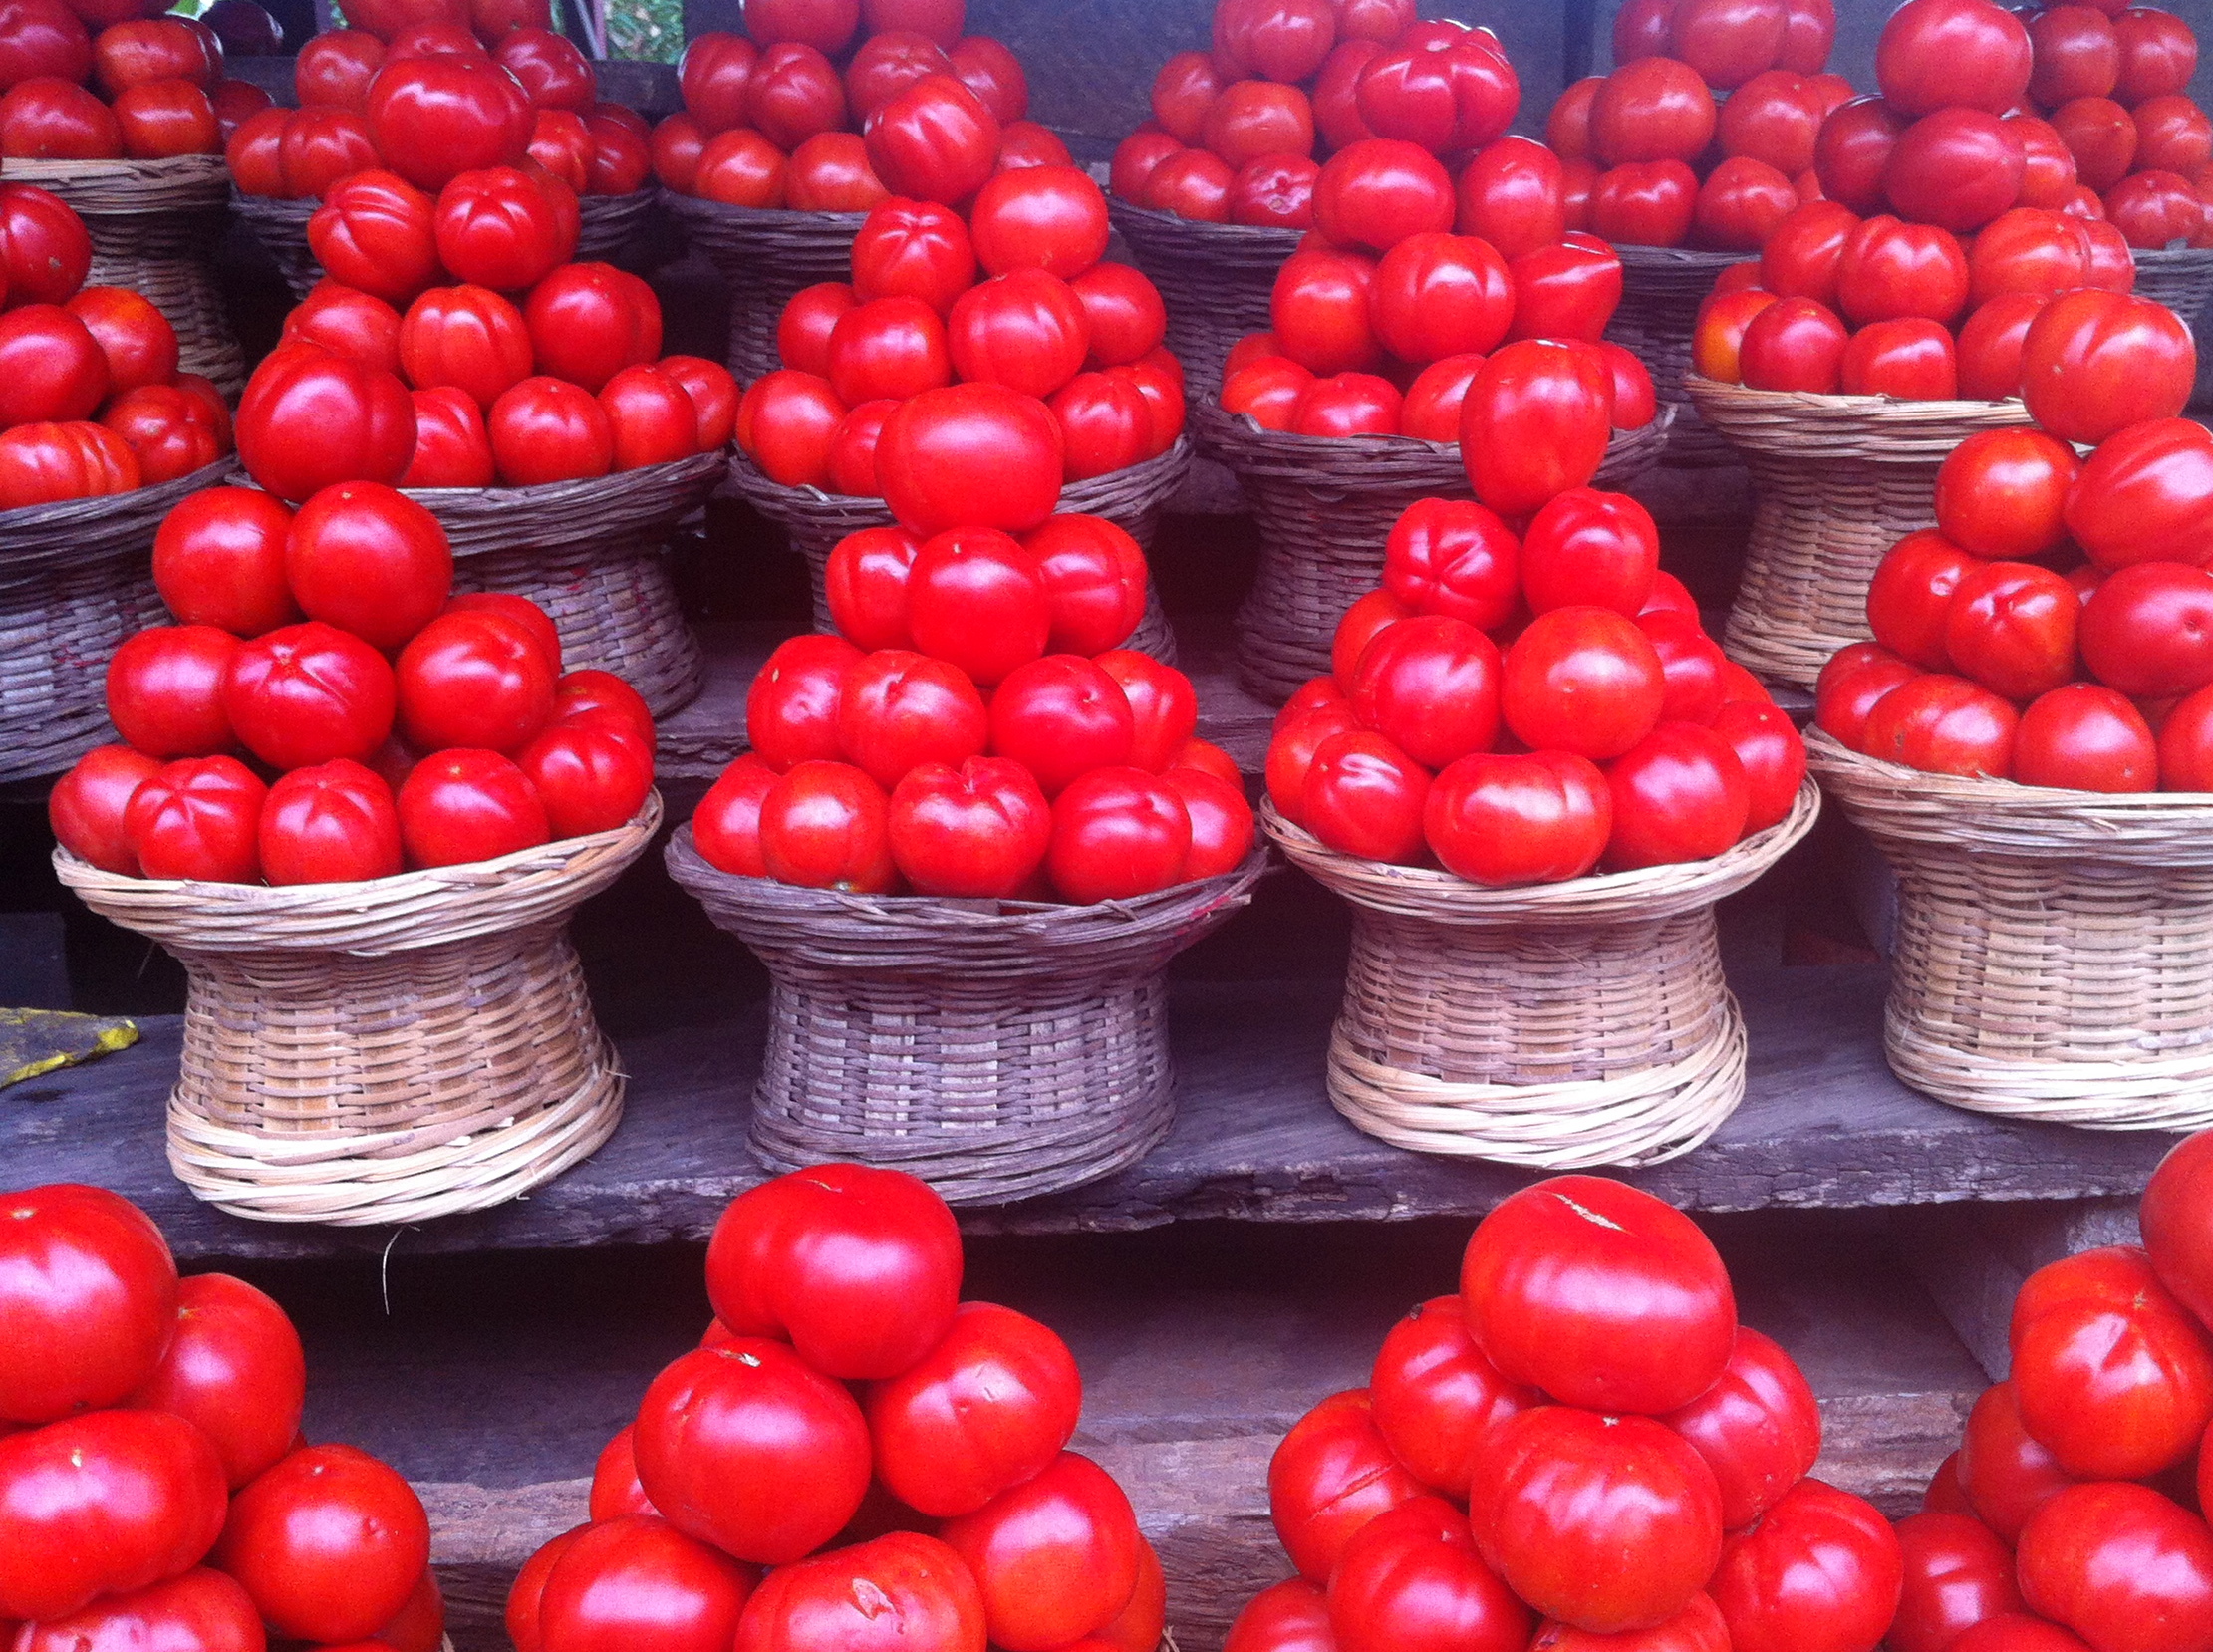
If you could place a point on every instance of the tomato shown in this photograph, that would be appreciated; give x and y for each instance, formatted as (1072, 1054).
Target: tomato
(1348, 405)
(791, 712)
(503, 228)
(1118, 833)
(2001, 493)
(633, 1578)
(987, 68)
(165, 118)
(1590, 547)
(201, 1609)
(2018, 1632)
(1680, 794)
(1582, 680)
(1374, 194)
(1793, 343)
(1891, 269)
(330, 1543)
(546, 430)
(2096, 363)
(1740, 204)
(1324, 309)
(887, 64)
(590, 779)
(2076, 56)
(1717, 345)
(1503, 820)
(467, 337)
(45, 39)
(452, 447)
(2147, 629)
(1449, 99)
(44, 246)
(1649, 203)
(2026, 251)
(1820, 1572)
(87, 1282)
(970, 455)
(378, 232)
(1775, 118)
(474, 680)
(1434, 1393)
(1291, 1616)
(195, 819)
(650, 417)
(1095, 582)
(712, 75)
(876, 1597)
(1431, 406)
(2121, 1566)
(1935, 53)
(1851, 684)
(1535, 423)
(590, 320)
(2087, 737)
(1185, 89)
(1992, 342)
(1194, 184)
(333, 822)
(713, 395)
(726, 828)
(311, 418)
(435, 118)
(1911, 357)
(977, 831)
(1163, 703)
(1609, 1523)
(2114, 1390)
(2011, 627)
(1412, 1578)
(897, 711)
(788, 424)
(52, 366)
(85, 808)
(1852, 152)
(1655, 109)
(1330, 1476)
(615, 1488)
(2006, 1474)
(1943, 725)
(1363, 795)
(369, 560)
(1024, 331)
(1759, 1428)
(336, 67)
(348, 321)
(2101, 135)
(2155, 209)
(622, 158)
(2172, 135)
(978, 599)
(1957, 168)
(1454, 557)
(2158, 55)
(935, 141)
(1430, 684)
(309, 694)
(1569, 291)
(48, 119)
(164, 690)
(1957, 1575)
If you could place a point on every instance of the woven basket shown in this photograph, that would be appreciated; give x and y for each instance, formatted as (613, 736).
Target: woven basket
(1561, 1026)
(1132, 499)
(2054, 949)
(369, 1054)
(2183, 280)
(1326, 507)
(998, 1050)
(76, 578)
(1662, 289)
(1215, 279)
(594, 555)
(766, 258)
(1836, 481)
(155, 227)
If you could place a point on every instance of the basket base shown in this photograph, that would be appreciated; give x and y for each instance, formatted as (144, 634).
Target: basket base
(2161, 1093)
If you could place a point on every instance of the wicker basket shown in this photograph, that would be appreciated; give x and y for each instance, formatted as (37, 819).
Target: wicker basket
(2054, 949)
(594, 555)
(609, 224)
(1561, 1026)
(1662, 289)
(2183, 280)
(1132, 499)
(369, 1054)
(1215, 279)
(998, 1050)
(76, 578)
(155, 227)
(1326, 507)
(766, 258)
(1836, 481)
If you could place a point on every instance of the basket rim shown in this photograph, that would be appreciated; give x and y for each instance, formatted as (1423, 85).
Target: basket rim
(1636, 252)
(1878, 409)
(1202, 233)
(175, 169)
(29, 518)
(2174, 257)
(542, 496)
(846, 224)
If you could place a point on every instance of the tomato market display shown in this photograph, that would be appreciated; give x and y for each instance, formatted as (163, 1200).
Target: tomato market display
(155, 1487)
(853, 1457)
(98, 82)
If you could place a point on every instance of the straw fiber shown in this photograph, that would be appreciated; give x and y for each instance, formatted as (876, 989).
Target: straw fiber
(997, 1050)
(2183, 280)
(1662, 289)
(765, 257)
(1559, 1026)
(1215, 279)
(363, 1055)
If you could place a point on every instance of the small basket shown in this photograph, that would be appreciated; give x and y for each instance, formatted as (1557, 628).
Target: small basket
(1215, 279)
(1662, 290)
(76, 578)
(1836, 481)
(1559, 1026)
(2054, 949)
(1326, 507)
(155, 227)
(997, 1050)
(2183, 280)
(369, 1054)
(766, 257)
(594, 555)
(1132, 499)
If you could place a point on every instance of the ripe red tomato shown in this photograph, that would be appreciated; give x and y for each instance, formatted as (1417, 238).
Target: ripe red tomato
(2158, 55)
(977, 831)
(334, 70)
(44, 38)
(713, 395)
(1759, 1428)
(2147, 629)
(1582, 680)
(1503, 820)
(44, 246)
(1454, 557)
(1805, 252)
(52, 366)
(1773, 753)
(1775, 116)
(791, 712)
(896, 1590)
(2011, 627)
(1793, 343)
(136, 339)
(1535, 423)
(349, 321)
(1854, 150)
(1957, 168)
(1678, 794)
(467, 337)
(86, 807)
(970, 455)
(1587, 547)
(1411, 1577)
(1891, 269)
(934, 142)
(1026, 331)
(1095, 582)
(1910, 597)
(330, 1543)
(503, 229)
(547, 429)
(1851, 684)
(2114, 1390)
(90, 1281)
(2087, 737)
(378, 232)
(1322, 306)
(2096, 363)
(1956, 1575)
(633, 1578)
(451, 446)
(203, 1609)
(1912, 358)
(1970, 53)
(1291, 1616)
(1330, 1476)
(788, 425)
(1430, 684)
(435, 118)
(311, 418)
(197, 819)
(1717, 345)
(591, 780)
(1362, 795)
(48, 119)
(2141, 491)
(474, 680)
(2001, 493)
(2006, 1474)
(1194, 184)
(1820, 1572)
(334, 822)
(1512, 196)
(887, 349)
(1439, 295)
(1348, 405)
(1655, 109)
(590, 320)
(1435, 1393)
(164, 690)
(1118, 833)
(1944, 724)
(465, 805)
(309, 694)
(368, 560)
(2121, 1566)
(977, 598)
(2173, 135)
(2076, 56)
(2155, 209)
(161, 119)
(1123, 313)
(1740, 204)
(1374, 194)
(897, 711)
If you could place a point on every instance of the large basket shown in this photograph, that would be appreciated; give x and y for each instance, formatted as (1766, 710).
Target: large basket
(1662, 289)
(998, 1050)
(1326, 507)
(368, 1054)
(2183, 280)
(1836, 481)
(594, 555)
(2054, 949)
(1215, 279)
(155, 227)
(1132, 499)
(1561, 1025)
(765, 257)
(76, 578)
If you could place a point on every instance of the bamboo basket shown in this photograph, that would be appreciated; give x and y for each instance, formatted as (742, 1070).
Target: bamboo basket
(1325, 506)
(76, 578)
(594, 555)
(1559, 1026)
(377, 1053)
(1836, 481)
(766, 258)
(154, 226)
(2181, 279)
(1215, 279)
(997, 1049)
(1662, 290)
(2054, 949)
(1131, 499)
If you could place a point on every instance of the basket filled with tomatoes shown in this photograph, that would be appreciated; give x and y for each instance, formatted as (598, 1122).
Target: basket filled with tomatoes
(1532, 774)
(385, 1020)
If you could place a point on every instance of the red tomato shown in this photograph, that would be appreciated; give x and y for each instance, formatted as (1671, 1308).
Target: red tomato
(740, 167)
(590, 779)
(830, 172)
(935, 141)
(977, 598)
(2047, 177)
(474, 680)
(1026, 331)
(1274, 191)
(1944, 725)
(970, 455)
(165, 118)
(311, 418)
(378, 232)
(1935, 53)
(1680, 794)
(652, 420)
(990, 69)
(1911, 357)
(435, 118)
(332, 822)
(1793, 343)
(2096, 363)
(1820, 1572)
(309, 694)
(2155, 209)
(44, 246)
(1163, 703)
(1363, 795)
(2006, 1476)
(1891, 269)
(349, 321)
(1323, 306)
(369, 560)
(2011, 627)
(52, 366)
(2121, 1566)
(1775, 116)
(1656, 109)
(1449, 96)
(1330, 1476)
(713, 395)
(2087, 737)
(1851, 684)
(1291, 1616)
(1375, 194)
(197, 819)
(1772, 752)
(1535, 423)
(590, 320)
(1854, 150)
(1592, 548)
(1582, 680)
(164, 690)
(791, 712)
(1348, 405)
(1992, 342)
(2147, 629)
(1432, 408)
(977, 831)
(2114, 1390)
(451, 446)
(336, 67)
(2172, 135)
(330, 1543)
(2027, 251)
(1435, 1393)
(2158, 55)
(1957, 1575)
(1194, 184)
(203, 1609)
(1095, 582)
(897, 711)
(1806, 250)
(2101, 135)
(786, 425)
(1759, 1428)
(1503, 820)
(1455, 558)
(546, 430)
(2076, 56)
(48, 119)
(1431, 685)
(1118, 833)
(136, 340)
(1740, 204)
(45, 39)
(876, 1597)
(87, 1278)
(85, 809)
(1957, 168)
(500, 227)
(2001, 493)
(1512, 196)
(467, 337)
(633, 1578)
(887, 349)
(1412, 1578)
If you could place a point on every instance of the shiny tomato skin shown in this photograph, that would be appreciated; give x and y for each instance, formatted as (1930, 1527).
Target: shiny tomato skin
(1430, 684)
(1935, 53)
(1802, 253)
(349, 321)
(1500, 820)
(1374, 194)
(330, 1543)
(2087, 737)
(890, 1592)
(1655, 109)
(1820, 1572)
(1740, 204)
(2114, 1390)
(1566, 291)
(1291, 1616)
(1436, 295)
(2158, 55)
(1944, 724)
(467, 805)
(361, 418)
(1322, 308)
(1773, 753)
(201, 1609)
(136, 339)
(503, 229)
(977, 832)
(590, 320)
(474, 680)
(451, 446)
(2017, 1632)
(1056, 1557)
(54, 366)
(591, 780)
(2120, 1565)
(1457, 558)
(1728, 41)
(1592, 548)
(970, 455)
(2002, 494)
(1535, 423)
(2155, 209)
(47, 247)
(1759, 1428)
(787, 425)
(2141, 497)
(369, 560)
(615, 1488)
(1678, 794)
(1852, 150)
(631, 1578)
(1909, 599)
(899, 711)
(1511, 194)
(85, 808)
(726, 828)
(1890, 269)
(1363, 795)
(1776, 117)
(2096, 363)
(1645, 203)
(1348, 405)
(376, 231)
(713, 394)
(1411, 1577)
(1957, 168)
(1717, 345)
(164, 690)
(90, 1283)
(1124, 315)
(2147, 629)
(1851, 684)
(333, 822)
(791, 714)
(309, 694)
(1118, 833)
(934, 142)
(1911, 357)
(2011, 627)
(1330, 1476)
(2006, 1474)
(1957, 1573)
(436, 118)
(1024, 331)
(1793, 343)
(1434, 1393)
(1582, 680)
(977, 598)
(547, 429)
(197, 819)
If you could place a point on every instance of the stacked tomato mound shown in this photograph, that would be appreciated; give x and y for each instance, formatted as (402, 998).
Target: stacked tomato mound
(919, 108)
(853, 1457)
(2069, 1518)
(1942, 229)
(1637, 144)
(1017, 298)
(145, 87)
(2051, 628)
(154, 1489)
(1583, 1444)
(325, 711)
(434, 96)
(2114, 81)
(91, 399)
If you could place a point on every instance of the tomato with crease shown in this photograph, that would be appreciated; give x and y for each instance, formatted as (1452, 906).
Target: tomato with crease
(630, 1579)
(2121, 1566)
(977, 831)
(1891, 269)
(1330, 1476)
(307, 695)
(1853, 150)
(1678, 794)
(934, 142)
(1944, 724)
(897, 711)
(1536, 423)
(899, 1589)
(1566, 291)
(1656, 109)
(1645, 203)
(1957, 1573)
(1430, 684)
(1376, 192)
(2147, 629)
(1820, 1572)
(1412, 1578)
(1957, 168)
(1506, 819)
(435, 118)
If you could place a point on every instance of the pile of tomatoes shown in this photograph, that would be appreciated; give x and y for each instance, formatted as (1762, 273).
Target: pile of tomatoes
(325, 711)
(1018, 297)
(154, 1489)
(145, 87)
(921, 109)
(2068, 1520)
(1583, 1444)
(853, 1457)
(2056, 626)
(91, 399)
(1637, 143)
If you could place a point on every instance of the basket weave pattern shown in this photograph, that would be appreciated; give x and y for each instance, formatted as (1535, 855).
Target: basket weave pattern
(1662, 289)
(1215, 279)
(374, 1053)
(2183, 280)
(2054, 949)
(766, 258)
(997, 1050)
(1561, 1025)
(1836, 481)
